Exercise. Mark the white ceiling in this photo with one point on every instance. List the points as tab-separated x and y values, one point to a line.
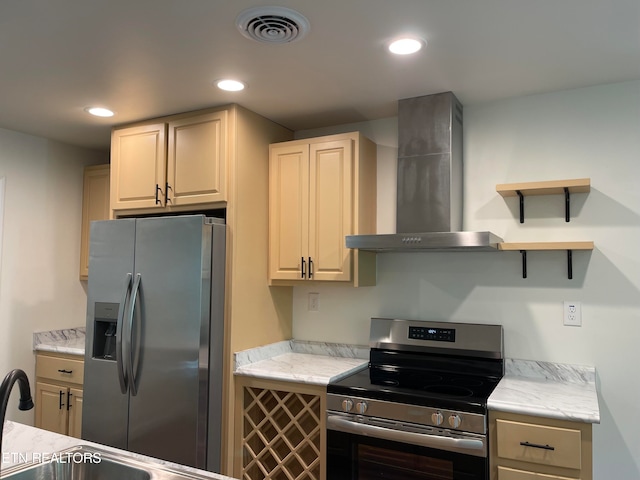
148	58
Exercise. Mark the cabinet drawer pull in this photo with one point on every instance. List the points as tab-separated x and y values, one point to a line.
535	445
69	394
62	370
60	404
310	268
302	272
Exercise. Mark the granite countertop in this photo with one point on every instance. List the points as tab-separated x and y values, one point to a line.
312	363
22	443
552	390
70	341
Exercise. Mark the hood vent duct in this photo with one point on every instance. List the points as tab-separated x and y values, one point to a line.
429	190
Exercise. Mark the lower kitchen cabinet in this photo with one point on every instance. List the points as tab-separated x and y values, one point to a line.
58	402
524	447
280	430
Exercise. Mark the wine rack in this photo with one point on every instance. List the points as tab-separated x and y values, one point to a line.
282	433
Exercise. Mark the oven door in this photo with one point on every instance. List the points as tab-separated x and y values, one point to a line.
363	448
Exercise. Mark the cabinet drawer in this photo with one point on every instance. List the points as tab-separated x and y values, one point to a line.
60	369
511	474
526	442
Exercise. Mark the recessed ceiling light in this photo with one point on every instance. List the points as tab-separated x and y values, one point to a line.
406	46
99	111
230	85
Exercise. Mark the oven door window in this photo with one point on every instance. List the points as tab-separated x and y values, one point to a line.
379	462
353	457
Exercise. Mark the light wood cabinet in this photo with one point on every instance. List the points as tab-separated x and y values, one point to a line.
321	190
239	184
58	402
536	448
138	166
170	164
95	206
197	160
281	430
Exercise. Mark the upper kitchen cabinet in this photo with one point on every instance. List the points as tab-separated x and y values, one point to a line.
138	166
172	163
197	160
321	190
95	206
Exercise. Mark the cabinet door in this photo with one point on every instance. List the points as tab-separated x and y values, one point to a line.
288	211
197	160
95	206
330	208
138	167
505	473
51	407
75	412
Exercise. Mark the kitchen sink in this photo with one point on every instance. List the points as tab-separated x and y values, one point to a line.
89	463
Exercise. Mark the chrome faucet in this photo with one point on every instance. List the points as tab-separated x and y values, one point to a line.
26	403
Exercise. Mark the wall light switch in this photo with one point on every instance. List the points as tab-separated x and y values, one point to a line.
313	302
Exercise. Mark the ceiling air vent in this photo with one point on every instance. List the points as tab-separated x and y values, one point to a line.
272	24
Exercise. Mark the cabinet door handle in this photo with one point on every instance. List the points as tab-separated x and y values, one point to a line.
167	187
62	370
158	189
69	394
536	445
302	272
310	268
60	404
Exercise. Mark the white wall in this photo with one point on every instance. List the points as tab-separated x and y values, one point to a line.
590	132
39	267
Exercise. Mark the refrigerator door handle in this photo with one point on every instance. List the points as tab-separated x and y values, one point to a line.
122	374
132	310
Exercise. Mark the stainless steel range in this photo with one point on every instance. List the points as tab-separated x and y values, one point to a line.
420	410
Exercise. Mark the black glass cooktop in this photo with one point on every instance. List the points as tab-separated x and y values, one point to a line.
438	382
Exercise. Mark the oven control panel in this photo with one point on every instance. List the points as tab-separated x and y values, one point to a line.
418	414
435	334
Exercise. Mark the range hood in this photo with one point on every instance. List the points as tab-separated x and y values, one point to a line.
429	192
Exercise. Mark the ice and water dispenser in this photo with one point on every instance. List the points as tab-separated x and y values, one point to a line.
104	331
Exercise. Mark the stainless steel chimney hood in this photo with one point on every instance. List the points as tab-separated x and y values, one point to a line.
429	191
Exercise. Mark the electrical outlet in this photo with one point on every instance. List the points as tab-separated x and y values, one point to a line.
572	314
313	302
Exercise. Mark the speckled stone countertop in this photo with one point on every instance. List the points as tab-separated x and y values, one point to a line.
22	443
70	341
313	363
544	389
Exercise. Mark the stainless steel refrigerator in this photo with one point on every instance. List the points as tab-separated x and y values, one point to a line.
153	361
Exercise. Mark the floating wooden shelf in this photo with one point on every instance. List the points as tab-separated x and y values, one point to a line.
553	187
523	247
511	246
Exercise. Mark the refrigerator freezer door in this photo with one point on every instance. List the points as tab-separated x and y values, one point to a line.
105	407
170	339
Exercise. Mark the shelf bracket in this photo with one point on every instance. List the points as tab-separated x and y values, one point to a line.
521	205
569	264
567	204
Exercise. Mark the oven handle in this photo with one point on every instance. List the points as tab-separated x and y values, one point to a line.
461	445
